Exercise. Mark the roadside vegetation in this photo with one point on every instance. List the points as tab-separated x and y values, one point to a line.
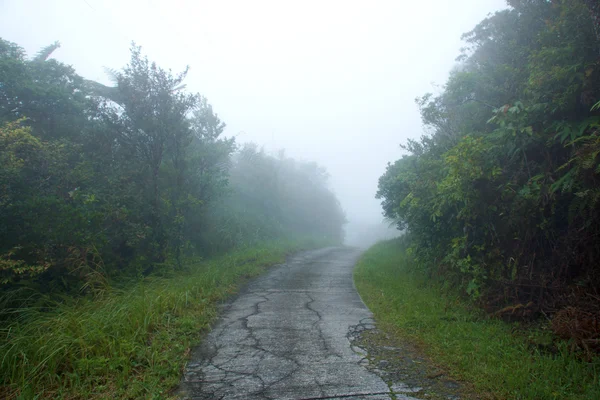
500	360
501	197
134	339
125	218
497	275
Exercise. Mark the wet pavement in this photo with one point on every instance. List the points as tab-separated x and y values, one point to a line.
297	332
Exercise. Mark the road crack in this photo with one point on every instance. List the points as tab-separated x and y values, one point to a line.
286	335
317	325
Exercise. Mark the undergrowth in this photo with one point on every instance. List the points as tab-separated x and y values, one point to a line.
500	360
131	342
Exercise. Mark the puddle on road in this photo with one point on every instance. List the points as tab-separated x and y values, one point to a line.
402	367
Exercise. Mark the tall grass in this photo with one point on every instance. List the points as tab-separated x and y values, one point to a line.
130	343
501	360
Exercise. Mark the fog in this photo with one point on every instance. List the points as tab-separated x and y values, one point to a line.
329	81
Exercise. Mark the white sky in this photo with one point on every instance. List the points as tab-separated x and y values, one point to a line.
331	81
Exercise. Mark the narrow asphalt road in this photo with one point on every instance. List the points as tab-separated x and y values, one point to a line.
289	336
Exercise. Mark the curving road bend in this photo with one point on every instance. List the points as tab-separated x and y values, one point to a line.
288	335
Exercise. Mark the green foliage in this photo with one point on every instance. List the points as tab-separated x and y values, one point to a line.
500	360
100	182
502	198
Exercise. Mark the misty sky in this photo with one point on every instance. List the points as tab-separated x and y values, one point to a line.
330	81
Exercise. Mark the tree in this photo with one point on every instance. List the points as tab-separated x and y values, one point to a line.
155	122
50	94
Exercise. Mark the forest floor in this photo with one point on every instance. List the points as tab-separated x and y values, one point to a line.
495	359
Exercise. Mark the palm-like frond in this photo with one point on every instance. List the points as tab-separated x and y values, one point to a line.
112	74
98	89
46	52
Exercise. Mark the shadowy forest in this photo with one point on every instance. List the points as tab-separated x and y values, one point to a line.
502	195
132	179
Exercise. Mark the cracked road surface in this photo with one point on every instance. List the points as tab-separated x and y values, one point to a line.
288	335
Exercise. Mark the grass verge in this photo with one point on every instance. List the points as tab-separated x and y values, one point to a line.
500	360
132	342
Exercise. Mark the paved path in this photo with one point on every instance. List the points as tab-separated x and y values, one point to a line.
288	336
